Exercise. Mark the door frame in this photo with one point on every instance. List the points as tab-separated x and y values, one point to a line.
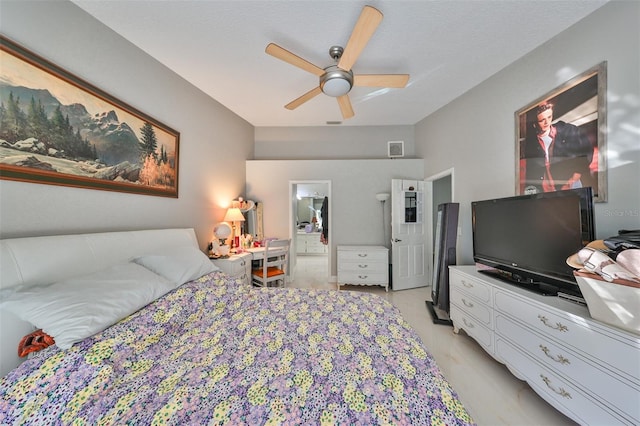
429	213
293	232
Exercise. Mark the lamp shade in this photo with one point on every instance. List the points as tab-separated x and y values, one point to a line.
234	215
382	196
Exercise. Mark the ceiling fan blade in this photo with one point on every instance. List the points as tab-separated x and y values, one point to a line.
367	24
345	106
295	60
381	80
304	98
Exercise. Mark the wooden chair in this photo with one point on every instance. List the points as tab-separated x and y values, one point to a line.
274	264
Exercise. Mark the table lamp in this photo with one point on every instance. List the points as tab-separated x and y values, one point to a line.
234	215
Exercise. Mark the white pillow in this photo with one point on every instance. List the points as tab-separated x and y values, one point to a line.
178	264
73	309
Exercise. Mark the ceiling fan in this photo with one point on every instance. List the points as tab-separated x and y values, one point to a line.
337	80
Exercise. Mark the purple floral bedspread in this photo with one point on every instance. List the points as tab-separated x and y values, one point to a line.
216	352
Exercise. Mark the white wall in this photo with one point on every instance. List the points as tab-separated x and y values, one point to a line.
475	134
355	213
340	142
214	142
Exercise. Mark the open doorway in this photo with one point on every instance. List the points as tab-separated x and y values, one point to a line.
310	233
438	189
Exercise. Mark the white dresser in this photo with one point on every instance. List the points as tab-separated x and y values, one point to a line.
237	266
363	265
588	370
309	243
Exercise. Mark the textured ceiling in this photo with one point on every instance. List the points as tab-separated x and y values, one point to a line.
447	47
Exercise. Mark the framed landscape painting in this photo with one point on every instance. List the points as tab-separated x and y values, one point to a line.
561	137
58	129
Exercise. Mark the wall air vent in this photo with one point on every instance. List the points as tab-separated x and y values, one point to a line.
396	149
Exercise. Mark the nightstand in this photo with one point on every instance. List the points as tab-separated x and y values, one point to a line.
237	266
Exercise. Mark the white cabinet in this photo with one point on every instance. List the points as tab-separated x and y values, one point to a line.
309	243
588	370
237	266
363	265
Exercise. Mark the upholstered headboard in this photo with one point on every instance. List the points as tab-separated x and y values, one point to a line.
42	260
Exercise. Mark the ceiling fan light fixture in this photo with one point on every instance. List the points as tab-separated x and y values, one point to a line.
336	82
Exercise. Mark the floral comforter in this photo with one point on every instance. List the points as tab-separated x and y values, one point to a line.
216	352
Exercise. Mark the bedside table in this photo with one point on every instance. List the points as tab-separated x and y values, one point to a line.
237	266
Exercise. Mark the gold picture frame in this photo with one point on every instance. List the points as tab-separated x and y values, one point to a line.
58	129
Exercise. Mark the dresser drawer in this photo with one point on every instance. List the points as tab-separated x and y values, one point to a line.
363	255
347	277
237	266
556	390
473	307
569	364
476	288
472	327
579	334
363	267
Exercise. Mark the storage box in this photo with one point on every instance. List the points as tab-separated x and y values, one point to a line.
614	303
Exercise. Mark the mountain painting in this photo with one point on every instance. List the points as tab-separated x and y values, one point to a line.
60	130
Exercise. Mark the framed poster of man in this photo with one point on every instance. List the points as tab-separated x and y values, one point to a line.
560	138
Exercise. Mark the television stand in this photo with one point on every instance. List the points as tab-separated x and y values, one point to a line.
586	369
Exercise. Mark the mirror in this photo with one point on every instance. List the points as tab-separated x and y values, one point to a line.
308	209
412	206
253	222
308	205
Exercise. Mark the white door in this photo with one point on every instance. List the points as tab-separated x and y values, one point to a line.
408	236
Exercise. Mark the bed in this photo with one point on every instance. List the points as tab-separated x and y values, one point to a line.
204	349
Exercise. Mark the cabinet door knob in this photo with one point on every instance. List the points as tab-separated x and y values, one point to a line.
558	358
468	324
547	381
559	326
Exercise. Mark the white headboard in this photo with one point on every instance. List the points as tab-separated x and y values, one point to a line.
42	260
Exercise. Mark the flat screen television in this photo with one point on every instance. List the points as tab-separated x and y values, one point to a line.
526	239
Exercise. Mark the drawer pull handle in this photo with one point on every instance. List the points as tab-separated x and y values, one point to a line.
467	304
563	393
558	358
558	325
466	284
468	324
363	277
363	266
362	254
